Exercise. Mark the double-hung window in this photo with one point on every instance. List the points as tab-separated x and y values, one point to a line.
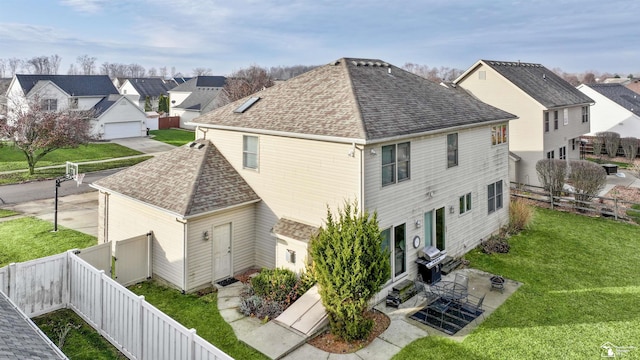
396	163
394	241
562	154
555	120
585	114
465	203
551	154
499	134
494	195
50	104
452	150
250	152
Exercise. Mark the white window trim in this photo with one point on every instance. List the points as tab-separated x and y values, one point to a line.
257	152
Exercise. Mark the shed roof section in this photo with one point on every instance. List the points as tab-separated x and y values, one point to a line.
294	230
619	94
190	180
74	85
357	99
540	83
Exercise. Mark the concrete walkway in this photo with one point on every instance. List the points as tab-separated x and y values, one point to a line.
627	179
279	342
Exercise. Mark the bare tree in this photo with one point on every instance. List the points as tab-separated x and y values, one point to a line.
73	70
434	74
54	63
245	82
163	72
598	143
39	65
87	64
136	71
587	178
3	67
173	71
552	174
152	72
104	68
589	78
611	142
14	64
630	148
200	71
36	131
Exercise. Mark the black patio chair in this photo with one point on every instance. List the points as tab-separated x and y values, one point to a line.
420	289
472	306
440	306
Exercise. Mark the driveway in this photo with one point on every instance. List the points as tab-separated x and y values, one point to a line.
144	144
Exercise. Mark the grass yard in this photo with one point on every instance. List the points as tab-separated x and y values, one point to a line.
13	159
30	238
81	342
173	136
200	313
580	289
7	213
43	174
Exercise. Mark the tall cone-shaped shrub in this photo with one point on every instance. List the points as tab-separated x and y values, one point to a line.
351	268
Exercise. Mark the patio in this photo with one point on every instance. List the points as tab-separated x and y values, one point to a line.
456	324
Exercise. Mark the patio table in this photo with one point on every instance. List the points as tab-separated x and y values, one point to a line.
448	290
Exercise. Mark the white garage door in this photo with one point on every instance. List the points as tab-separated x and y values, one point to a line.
122	130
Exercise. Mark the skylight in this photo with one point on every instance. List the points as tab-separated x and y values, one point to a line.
247	104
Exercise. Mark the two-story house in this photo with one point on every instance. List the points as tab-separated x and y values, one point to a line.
195	97
115	116
617	109
258	181
141	89
552	113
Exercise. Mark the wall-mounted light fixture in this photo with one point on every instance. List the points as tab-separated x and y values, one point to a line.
418	223
205	235
373	152
451	210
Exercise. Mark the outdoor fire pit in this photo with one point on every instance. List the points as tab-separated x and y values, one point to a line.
497	283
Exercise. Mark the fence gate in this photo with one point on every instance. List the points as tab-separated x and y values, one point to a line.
133	259
99	256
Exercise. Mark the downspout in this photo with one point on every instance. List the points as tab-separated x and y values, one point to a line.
184	257
105	230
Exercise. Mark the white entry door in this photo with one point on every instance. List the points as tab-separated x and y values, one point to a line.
221	251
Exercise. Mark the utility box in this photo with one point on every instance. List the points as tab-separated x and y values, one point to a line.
291	256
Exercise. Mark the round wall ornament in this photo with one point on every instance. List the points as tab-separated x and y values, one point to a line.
416	241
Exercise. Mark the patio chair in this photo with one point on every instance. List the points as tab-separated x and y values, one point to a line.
472	306
440	306
460	286
420	289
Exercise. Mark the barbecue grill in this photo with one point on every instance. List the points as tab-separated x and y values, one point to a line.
429	268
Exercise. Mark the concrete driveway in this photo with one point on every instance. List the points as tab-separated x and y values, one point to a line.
144	144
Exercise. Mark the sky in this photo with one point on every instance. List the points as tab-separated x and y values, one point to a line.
573	35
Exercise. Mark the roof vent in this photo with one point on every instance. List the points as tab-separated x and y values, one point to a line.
191	144
246	105
200	146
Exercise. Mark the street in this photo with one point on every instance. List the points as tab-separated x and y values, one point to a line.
39	190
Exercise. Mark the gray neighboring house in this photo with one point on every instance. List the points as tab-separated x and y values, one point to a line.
138	89
195	97
617	109
20	338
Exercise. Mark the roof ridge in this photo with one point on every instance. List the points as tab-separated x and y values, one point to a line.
356	103
196	183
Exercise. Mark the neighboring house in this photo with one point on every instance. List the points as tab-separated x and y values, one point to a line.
139	89
195	97
4	85
552	113
634	85
257	184
617	109
82	92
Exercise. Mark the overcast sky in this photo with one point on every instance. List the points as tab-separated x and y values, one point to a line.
574	35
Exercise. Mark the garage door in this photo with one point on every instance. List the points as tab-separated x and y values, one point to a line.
122	130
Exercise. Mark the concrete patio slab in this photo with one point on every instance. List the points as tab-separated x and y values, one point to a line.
273	340
402	333
378	349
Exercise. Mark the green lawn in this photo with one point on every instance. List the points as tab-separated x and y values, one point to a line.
200	313
30	238
7	213
173	136
13	159
580	289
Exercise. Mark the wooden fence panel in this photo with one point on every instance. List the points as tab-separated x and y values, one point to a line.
85	290
163	337
40	286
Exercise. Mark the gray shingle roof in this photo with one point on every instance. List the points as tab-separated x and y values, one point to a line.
188	181
151	87
74	85
619	94
356	99
540	83
199	99
201	82
20	338
294	230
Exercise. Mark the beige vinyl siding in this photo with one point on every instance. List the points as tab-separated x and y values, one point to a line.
480	164
296	178
128	218
200	252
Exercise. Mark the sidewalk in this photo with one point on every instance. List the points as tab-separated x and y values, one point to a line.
278	342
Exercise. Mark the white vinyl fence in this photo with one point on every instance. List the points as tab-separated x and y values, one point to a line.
135	327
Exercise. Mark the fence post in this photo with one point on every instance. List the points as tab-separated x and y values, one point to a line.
615	207
100	300
551	196
192	344
141	329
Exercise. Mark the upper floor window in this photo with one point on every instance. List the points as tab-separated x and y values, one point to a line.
250	152
452	150
50	104
546	122
499	134
73	103
565	115
494	194
395	163
555	120
465	203
585	114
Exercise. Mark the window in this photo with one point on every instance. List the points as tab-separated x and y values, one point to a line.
465	203
395	163
562	154
573	144
494	192
585	114
50	104
565	114
555	120
452	150
546	122
551	154
250	152
73	103
499	134
394	241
